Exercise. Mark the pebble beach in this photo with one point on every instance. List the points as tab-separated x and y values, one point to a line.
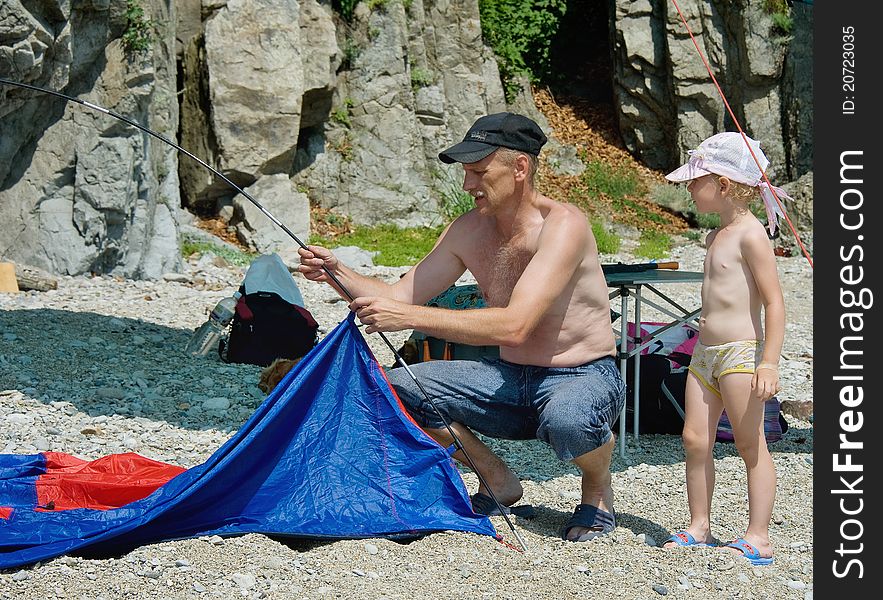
97	367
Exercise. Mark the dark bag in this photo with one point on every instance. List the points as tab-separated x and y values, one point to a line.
657	413
266	327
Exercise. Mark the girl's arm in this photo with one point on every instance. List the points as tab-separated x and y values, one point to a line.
761	261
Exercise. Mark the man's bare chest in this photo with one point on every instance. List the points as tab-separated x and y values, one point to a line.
498	267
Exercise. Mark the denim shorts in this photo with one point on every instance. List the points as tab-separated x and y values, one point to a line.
570	408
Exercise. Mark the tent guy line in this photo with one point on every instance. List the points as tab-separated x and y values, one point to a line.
457	442
741	132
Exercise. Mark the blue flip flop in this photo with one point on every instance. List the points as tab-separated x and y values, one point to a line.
750	552
685	538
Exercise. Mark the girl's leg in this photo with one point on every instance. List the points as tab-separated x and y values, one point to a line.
745	412
703	410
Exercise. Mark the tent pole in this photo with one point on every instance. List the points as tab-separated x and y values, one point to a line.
399	359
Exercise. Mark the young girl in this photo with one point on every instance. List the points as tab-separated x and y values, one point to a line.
735	361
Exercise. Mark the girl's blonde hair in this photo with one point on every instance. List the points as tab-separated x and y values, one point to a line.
742	191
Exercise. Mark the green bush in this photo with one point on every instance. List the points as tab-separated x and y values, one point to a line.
707	220
599	179
345	8
653	245
139	33
420	77
783	23
608	242
351	52
190	246
672	196
780	13
520	33
395	246
453	201
342	114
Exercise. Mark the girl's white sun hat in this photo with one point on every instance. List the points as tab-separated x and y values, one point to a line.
728	155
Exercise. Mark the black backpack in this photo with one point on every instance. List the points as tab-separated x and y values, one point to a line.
266	327
657	413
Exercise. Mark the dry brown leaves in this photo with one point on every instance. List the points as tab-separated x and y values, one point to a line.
220	229
592	130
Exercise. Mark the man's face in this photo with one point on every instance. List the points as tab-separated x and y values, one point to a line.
490	181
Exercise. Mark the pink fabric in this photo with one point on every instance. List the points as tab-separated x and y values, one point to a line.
680	339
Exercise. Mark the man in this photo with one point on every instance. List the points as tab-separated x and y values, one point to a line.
536	262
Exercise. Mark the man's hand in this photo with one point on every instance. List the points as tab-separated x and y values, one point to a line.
312	261
382	314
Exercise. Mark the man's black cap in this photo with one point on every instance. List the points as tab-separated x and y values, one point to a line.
506	130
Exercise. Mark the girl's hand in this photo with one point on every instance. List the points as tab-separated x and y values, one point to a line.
765	383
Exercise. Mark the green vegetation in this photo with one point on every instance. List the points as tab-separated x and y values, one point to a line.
780	13
345	8
520	33
783	23
707	220
608	242
344	146
653	245
377	5
395	246
190	246
342	114
673	196
599	179
420	77
351	51
139	33
453	201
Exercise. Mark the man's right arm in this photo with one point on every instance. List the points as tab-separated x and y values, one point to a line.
317	262
431	276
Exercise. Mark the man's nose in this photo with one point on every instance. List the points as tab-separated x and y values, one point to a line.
468	182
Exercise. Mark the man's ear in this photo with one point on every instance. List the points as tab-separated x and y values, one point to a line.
521	167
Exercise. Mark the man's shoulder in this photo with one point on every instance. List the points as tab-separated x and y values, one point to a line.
469	223
565	211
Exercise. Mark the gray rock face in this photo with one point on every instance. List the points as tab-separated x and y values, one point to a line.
79	190
294	104
668	101
414	84
243	95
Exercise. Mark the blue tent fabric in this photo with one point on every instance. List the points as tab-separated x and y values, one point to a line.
330	453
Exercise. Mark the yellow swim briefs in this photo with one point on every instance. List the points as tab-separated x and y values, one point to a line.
710	363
